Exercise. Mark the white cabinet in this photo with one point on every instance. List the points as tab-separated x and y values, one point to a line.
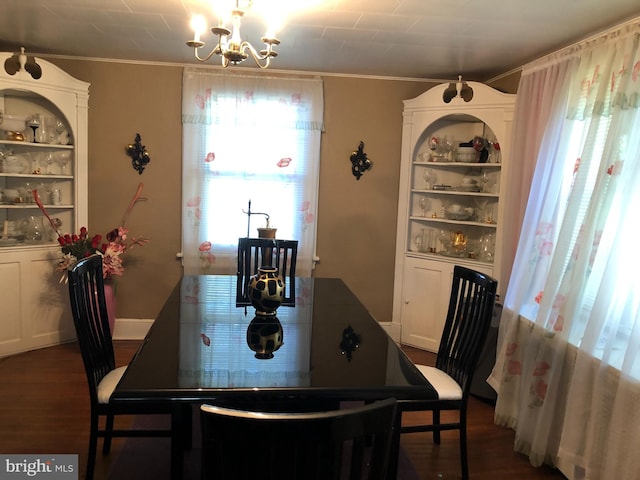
450	209
51	158
425	299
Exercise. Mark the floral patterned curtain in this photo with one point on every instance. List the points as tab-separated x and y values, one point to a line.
568	365
248	139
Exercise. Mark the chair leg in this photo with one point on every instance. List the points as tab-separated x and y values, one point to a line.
178	439
108	429
186	426
436	422
93	446
394	452
464	463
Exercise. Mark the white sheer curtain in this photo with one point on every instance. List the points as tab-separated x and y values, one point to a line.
248	138
536	105
568	365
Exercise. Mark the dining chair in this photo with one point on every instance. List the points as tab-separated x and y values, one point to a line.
254	253
468	320
351	443
86	292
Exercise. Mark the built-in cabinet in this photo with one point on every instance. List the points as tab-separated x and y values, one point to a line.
43	147
455	151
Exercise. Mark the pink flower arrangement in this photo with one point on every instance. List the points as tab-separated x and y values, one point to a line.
77	246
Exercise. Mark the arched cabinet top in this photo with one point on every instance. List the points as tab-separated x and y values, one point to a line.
53	79
483	97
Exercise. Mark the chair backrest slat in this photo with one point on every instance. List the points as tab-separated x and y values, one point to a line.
86	293
254	253
468	320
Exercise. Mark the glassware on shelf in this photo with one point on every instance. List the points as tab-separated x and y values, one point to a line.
27	192
443	148
449	148
481	204
32	227
455	243
495	155
424	204
430	178
425	241
63	158
417	241
46	159
34	123
487	247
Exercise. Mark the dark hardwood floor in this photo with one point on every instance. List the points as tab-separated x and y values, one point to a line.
44	408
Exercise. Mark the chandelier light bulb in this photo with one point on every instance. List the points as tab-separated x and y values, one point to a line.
198	25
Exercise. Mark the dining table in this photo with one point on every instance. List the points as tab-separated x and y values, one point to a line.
323	349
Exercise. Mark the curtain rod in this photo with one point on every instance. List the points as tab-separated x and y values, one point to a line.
623	28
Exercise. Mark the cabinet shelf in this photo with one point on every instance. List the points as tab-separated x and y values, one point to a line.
440	256
27	206
22	245
456	193
40	146
454	222
458	164
47	176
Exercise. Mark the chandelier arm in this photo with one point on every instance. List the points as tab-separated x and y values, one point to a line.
257	57
216	51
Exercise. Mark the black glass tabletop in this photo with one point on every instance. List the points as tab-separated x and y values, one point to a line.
326	346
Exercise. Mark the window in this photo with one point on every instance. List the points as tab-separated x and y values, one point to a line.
248	139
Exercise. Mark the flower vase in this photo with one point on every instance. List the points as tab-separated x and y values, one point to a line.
110	301
266	290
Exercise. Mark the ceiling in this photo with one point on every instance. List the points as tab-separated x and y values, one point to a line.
430	39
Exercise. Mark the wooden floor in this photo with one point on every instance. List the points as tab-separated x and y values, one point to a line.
44	408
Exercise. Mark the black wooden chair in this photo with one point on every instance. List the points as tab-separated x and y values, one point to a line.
468	320
254	253
350	443
86	292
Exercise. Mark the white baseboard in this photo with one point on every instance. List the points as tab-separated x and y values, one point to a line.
393	329
131	328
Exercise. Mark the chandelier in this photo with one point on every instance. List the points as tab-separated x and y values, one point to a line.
231	48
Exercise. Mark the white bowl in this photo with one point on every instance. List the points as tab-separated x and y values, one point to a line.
14	164
467	155
12	123
10	195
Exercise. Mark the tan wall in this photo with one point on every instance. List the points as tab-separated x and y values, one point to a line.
356	218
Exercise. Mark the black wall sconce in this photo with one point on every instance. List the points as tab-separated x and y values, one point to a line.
139	155
359	162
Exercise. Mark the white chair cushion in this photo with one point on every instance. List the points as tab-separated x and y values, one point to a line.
447	387
108	384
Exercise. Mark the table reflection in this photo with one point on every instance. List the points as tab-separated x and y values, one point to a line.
225	346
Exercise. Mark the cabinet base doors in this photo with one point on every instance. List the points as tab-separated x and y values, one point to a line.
425	285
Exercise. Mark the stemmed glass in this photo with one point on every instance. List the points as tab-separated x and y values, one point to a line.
429	178
62	159
34	123
484	182
449	147
423	202
417	240
481	203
